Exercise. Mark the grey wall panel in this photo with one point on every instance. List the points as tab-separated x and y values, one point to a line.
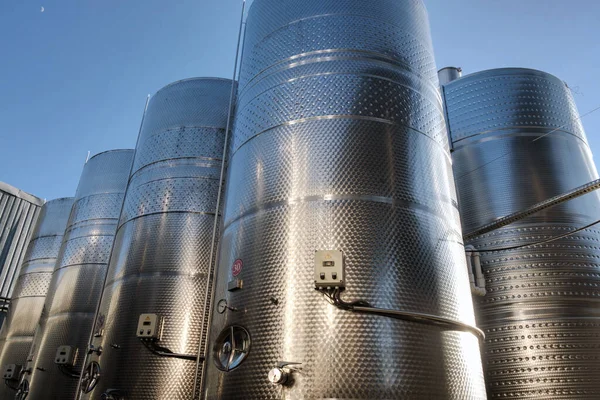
160	261
339	143
517	141
19	212
30	291
79	274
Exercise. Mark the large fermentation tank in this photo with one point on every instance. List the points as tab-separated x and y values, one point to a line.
19	212
77	280
160	263
518	140
340	143
32	284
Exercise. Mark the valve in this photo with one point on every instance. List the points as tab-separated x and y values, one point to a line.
22	390
92	349
91	376
281	374
277	376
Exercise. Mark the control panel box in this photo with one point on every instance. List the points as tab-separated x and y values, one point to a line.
329	269
66	355
150	326
12	372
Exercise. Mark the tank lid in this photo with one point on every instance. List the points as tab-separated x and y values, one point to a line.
511	71
449	74
110	151
198	79
61	199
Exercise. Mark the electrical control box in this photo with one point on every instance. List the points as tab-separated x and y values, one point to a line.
12	372
329	269
150	326
66	355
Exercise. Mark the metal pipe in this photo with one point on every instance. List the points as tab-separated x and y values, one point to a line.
551	202
423	318
476	277
479	277
470	270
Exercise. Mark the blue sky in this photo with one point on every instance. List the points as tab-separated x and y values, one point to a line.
74	78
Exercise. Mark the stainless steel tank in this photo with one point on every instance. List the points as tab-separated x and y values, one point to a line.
19	212
518	140
30	291
160	262
77	280
340	144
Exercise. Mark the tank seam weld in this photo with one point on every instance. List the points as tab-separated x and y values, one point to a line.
342	116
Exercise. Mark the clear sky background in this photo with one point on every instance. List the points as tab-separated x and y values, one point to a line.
74	78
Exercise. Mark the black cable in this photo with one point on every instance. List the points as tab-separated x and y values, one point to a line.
7	383
362	306
68	372
164	352
552	239
347	306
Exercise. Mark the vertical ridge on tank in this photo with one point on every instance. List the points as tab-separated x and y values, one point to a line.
161	254
19	212
518	141
30	291
339	143
77	278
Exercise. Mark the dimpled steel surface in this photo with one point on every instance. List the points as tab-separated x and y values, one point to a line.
32	285
80	269
160	262
541	313
339	143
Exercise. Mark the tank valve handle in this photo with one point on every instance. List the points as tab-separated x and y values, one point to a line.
280	375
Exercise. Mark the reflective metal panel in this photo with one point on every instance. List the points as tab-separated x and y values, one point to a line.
80	270
30	291
19	212
160	262
340	144
517	141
